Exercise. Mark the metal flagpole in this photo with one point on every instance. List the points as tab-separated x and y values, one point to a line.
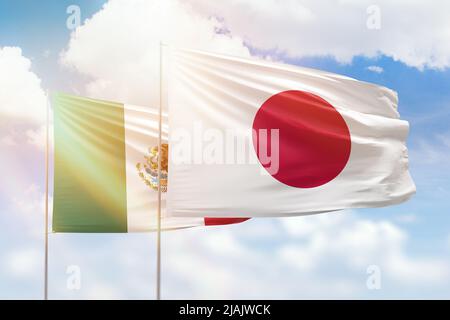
158	236
46	199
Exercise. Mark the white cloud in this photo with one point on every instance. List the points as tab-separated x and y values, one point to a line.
326	259
22	263
21	95
23	101
8	140
376	69
22	116
29	201
118	48
322	256
38	136
360	243
339	28
21	219
430	271
28	210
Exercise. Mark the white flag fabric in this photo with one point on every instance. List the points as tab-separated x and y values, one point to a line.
252	138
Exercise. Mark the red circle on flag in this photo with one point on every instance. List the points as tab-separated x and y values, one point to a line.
313	139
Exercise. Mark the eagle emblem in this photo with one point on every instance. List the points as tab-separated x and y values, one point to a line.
148	170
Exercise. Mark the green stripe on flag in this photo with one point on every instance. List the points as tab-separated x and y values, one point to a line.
90	166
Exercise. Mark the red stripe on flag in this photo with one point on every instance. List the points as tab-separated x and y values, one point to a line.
223	221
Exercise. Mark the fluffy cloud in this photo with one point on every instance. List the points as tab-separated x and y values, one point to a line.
21	236
323	256
340	28
21	95
23	263
22	124
37	137
22	116
376	69
23	101
29	207
118	48
359	243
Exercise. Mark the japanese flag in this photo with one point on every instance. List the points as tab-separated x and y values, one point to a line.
251	138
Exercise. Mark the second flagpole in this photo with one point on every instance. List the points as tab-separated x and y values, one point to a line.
158	236
47	142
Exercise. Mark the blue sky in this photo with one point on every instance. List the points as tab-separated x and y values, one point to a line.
38	27
122	266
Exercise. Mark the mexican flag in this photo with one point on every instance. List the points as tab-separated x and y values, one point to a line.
105	178
254	138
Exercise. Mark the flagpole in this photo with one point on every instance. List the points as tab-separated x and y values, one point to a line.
46	199
158	236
